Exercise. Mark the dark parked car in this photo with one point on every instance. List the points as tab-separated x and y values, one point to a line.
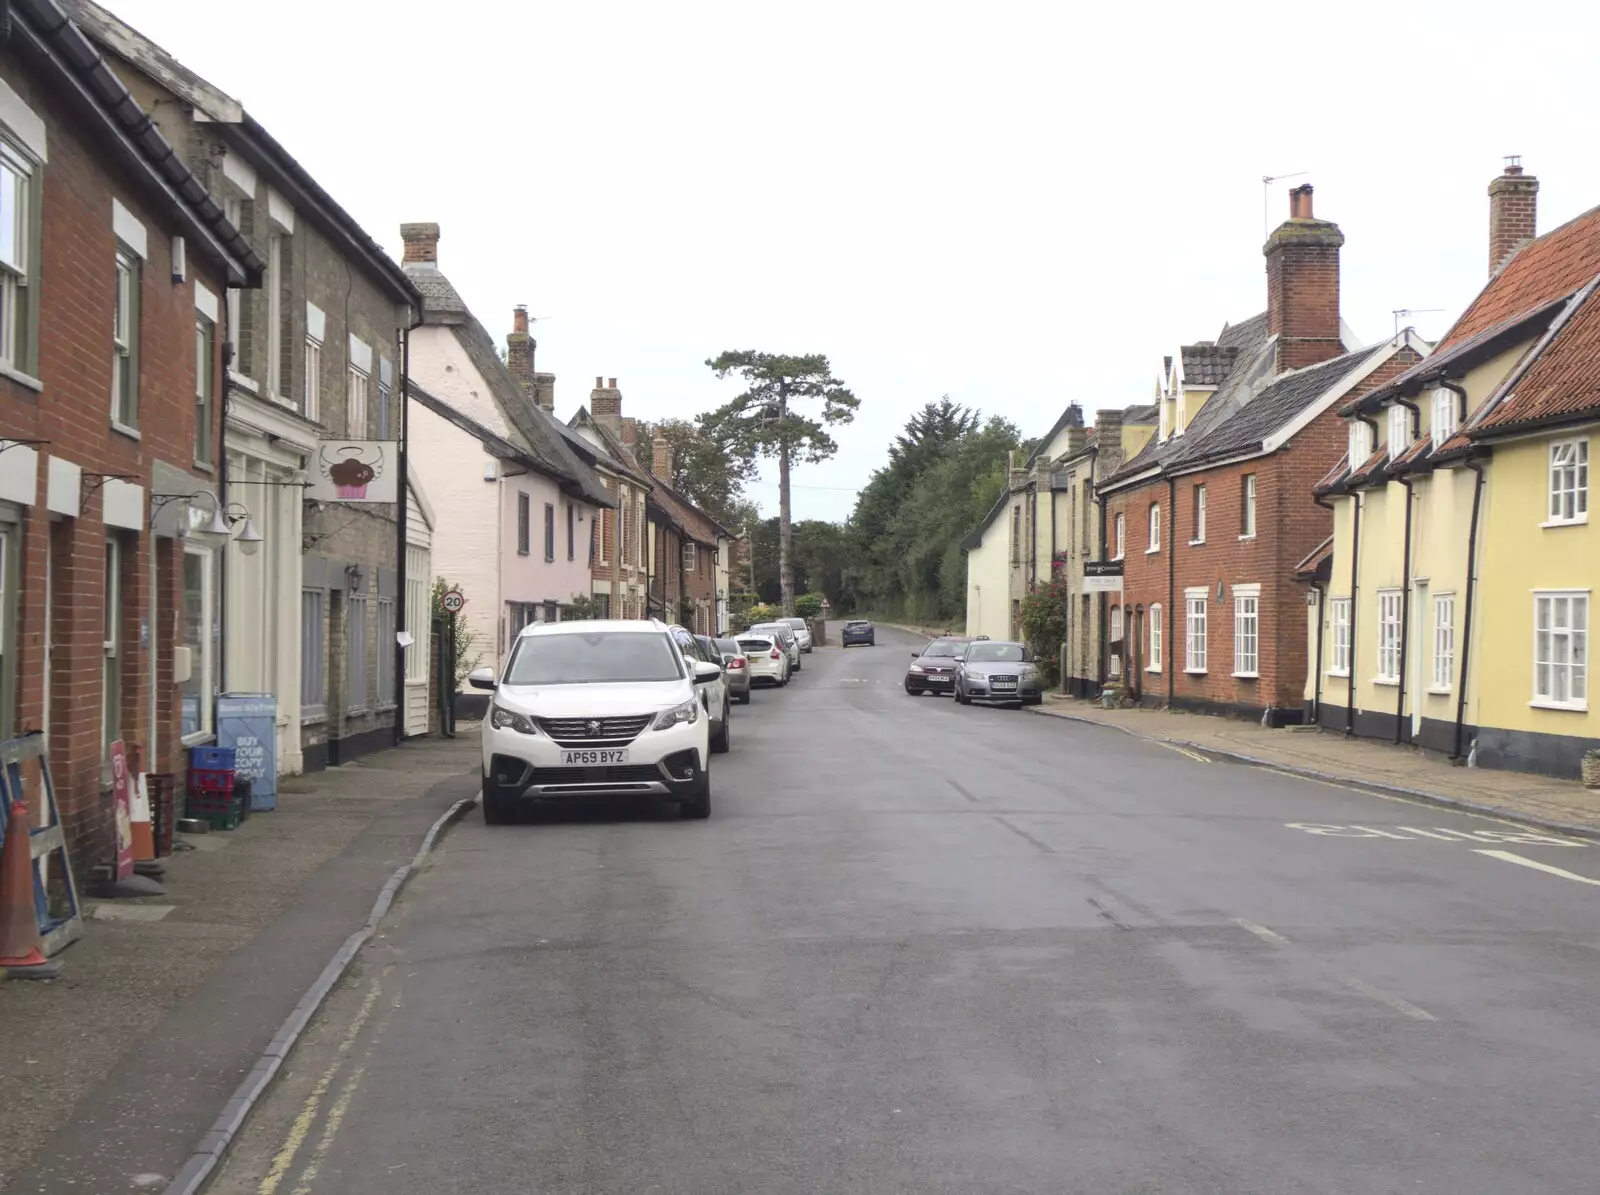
997	672
933	669
857	630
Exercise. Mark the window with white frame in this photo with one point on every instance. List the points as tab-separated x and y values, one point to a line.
639	531
626	513
313	653
1155	639
1194	631
1199	514
385	412
1247	507
1388	636
1360	443
416	612
1119	537
1155	528
524	523
691	559
199	613
1115	637
1569	481
205	356
125	341
1445	409
1444	640
18	216
1247	630
355	653
355	412
313	391
386	650
1561	649
274	288
111	649
1399	430
549	531
1339	634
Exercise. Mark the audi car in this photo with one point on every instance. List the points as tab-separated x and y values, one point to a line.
605	708
995	672
933	669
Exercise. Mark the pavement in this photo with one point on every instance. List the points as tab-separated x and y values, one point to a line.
118	1068
927	949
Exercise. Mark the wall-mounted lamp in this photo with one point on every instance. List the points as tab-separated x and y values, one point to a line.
219	528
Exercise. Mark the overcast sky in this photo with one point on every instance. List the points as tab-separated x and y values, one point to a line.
1018	205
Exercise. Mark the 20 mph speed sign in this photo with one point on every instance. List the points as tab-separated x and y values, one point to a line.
453	601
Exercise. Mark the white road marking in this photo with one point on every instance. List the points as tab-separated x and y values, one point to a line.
1438	833
1360	986
1508	857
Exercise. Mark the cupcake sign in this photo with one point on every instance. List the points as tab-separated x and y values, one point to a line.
355	471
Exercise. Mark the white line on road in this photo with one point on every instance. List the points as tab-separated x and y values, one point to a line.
1360	986
1520	861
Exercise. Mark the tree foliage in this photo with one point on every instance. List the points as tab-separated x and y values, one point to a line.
944	473
1044	623
468	654
708	472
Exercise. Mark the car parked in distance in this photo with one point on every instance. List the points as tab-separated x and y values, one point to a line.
801	632
998	672
764	656
933	669
736	668
784	634
602	708
715	696
857	630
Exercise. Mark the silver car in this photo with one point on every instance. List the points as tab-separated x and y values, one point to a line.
995	672
784	634
801	632
735	666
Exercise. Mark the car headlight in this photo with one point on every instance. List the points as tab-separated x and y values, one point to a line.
688	712
918	668
1030	671
503	719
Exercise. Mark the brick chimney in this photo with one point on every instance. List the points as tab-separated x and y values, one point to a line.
1513	211
661	458
544	391
605	404
630	430
1303	285
519	350
421	244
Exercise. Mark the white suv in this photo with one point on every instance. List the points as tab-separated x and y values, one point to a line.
596	709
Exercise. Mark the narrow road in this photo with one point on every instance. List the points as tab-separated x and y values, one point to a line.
926	949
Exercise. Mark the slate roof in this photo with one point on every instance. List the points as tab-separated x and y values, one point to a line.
683	513
1207	364
1562	384
1245	335
535	430
618	455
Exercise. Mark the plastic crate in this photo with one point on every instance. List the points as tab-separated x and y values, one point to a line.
220	809
211	780
223	759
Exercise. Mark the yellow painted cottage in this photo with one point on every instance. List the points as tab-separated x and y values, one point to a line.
1451	608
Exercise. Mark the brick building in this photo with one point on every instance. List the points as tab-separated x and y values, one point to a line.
620	571
1213	516
112	320
686	548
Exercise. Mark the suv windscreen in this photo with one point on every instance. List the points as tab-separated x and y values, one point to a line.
595	657
945	650
996	653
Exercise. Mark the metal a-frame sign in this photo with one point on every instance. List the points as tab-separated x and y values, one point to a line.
24	765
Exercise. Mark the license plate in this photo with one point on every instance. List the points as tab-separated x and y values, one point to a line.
1005	687
938	680
594	757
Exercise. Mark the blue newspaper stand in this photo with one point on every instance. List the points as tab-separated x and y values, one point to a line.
248	722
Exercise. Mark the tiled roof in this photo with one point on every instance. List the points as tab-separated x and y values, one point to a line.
1564	381
618	455
439	298
698	526
1550	267
1207	364
1371	467
1141	413
1333	477
1315	557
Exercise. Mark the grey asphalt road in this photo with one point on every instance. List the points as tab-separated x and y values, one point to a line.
926	949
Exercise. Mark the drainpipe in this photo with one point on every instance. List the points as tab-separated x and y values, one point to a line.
222	505
1466	617
402	514
1355	605
1405	616
1033	532
1101	670
1172	577
1322	621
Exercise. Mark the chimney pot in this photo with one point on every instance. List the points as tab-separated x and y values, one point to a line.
599	383
519	318
612	383
1300	202
421	243
1513	213
605	404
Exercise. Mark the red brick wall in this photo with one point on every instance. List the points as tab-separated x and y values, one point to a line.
76	296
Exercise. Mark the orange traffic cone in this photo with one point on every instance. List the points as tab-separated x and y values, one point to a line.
21	948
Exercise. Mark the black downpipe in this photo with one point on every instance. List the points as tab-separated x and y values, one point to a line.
1322	622
1355	605
1172	580
222	505
1466	617
402	514
1033	533
1405	617
1103	613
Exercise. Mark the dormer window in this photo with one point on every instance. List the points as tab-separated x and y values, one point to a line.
1399	430
1444	415
1360	443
